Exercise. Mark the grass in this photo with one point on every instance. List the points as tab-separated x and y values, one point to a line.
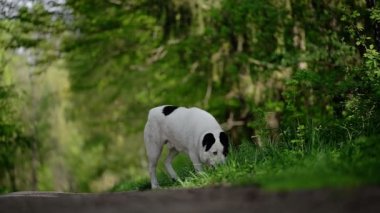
281	166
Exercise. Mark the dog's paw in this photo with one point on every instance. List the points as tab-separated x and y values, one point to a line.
176	179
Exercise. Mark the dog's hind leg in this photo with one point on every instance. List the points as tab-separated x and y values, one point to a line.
153	159
154	153
153	149
168	163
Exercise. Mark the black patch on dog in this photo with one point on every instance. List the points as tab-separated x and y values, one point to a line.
168	109
208	141
224	140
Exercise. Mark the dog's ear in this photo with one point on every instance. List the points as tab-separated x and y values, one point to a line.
224	140
208	141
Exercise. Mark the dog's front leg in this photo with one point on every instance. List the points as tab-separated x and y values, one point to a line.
196	162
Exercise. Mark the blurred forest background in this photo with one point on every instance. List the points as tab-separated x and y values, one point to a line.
77	78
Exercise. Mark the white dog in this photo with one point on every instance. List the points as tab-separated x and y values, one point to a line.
190	130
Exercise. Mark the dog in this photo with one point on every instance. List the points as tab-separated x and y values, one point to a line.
189	130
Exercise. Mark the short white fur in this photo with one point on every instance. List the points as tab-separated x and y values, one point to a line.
182	131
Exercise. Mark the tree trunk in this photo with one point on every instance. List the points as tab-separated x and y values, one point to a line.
34	165
12	179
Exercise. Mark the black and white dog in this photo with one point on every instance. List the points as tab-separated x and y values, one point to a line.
190	130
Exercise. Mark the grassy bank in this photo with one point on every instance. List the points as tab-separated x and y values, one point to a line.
282	166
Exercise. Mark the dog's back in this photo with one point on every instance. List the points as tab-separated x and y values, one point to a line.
168	123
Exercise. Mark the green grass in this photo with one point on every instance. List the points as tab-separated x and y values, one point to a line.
281	166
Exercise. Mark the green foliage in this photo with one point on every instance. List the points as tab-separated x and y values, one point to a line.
278	167
302	76
13	142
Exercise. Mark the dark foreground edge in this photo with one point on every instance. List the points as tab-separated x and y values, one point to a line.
220	199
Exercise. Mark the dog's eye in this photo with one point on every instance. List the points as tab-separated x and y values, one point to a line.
215	153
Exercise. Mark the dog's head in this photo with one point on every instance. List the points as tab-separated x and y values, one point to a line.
214	148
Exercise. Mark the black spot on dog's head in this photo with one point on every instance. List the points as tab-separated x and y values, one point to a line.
168	109
208	141
224	140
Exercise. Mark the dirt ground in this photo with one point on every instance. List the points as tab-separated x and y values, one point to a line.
219	199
